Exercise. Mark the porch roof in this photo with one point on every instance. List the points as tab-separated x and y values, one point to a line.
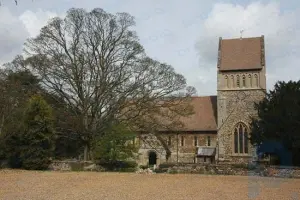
206	151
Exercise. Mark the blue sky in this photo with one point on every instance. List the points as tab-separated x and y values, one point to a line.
181	33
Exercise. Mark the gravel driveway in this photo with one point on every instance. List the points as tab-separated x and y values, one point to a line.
33	185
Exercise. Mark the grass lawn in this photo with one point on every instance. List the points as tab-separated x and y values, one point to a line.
33	185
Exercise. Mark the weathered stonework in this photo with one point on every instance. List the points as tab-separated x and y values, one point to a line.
231	111
237	93
235	169
183	154
241	82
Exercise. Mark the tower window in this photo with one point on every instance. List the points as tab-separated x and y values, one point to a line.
241	139
238	81
244	81
250	80
232	81
227	81
256	80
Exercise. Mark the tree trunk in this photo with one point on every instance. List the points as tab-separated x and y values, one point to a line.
86	142
2	124
86	152
177	140
165	145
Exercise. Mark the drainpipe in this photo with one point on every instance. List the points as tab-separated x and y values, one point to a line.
217	150
177	149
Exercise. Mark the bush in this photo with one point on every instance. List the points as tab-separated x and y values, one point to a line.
117	165
12	147
143	167
252	166
166	165
127	170
76	166
130	164
116	144
159	170
38	137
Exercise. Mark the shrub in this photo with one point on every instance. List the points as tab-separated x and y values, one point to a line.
127	170
117	165
252	166
116	144
143	167
76	166
160	170
166	165
38	137
173	171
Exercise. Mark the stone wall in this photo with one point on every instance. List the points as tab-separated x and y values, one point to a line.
235	169
235	107
184	154
73	165
237	91
214	169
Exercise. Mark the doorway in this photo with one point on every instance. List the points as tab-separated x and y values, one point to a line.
152	158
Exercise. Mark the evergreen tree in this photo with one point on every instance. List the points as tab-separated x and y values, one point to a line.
279	118
116	145
38	135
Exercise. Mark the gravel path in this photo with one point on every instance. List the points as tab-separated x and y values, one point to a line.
32	185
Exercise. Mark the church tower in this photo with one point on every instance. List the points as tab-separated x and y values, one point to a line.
241	81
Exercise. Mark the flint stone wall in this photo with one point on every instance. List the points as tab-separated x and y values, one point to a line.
74	165
231	169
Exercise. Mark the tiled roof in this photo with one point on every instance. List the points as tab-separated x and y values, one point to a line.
205	115
203	118
241	53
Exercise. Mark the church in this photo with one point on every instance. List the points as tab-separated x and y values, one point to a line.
218	131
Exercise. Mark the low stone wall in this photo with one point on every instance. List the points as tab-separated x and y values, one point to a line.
241	170
74	165
221	169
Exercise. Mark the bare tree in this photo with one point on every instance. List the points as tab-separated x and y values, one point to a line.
94	61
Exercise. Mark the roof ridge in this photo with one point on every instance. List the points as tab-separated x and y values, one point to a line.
242	38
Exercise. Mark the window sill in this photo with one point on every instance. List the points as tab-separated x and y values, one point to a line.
241	155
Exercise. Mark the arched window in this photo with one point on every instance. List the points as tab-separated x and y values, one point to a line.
244	81
256	80
232	81
227	81
238	81
241	139
250	80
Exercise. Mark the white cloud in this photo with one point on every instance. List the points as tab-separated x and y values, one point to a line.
34	21
169	30
14	30
279	28
12	35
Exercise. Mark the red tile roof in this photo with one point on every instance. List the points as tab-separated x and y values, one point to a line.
205	115
241	53
203	118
